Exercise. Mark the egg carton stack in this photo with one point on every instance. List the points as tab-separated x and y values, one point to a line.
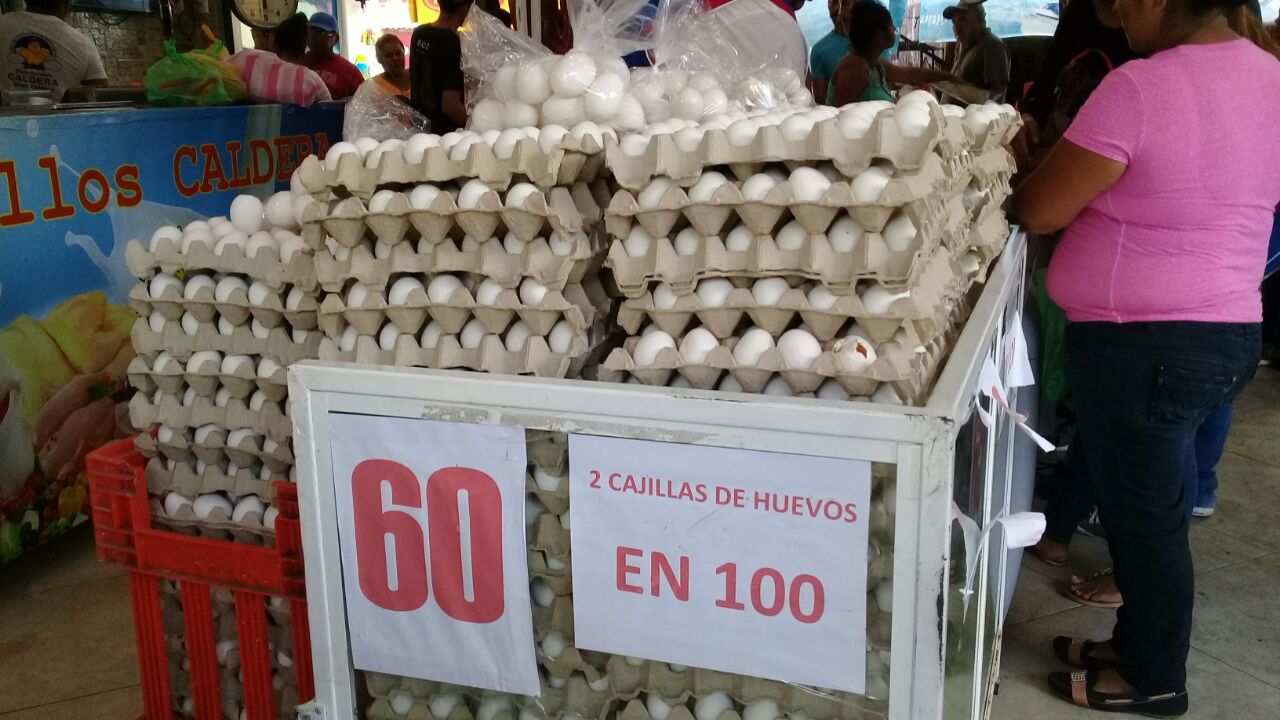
579	684
825	252
284	680
225	307
463	272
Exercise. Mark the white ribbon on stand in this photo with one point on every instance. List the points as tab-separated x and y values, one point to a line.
1020	530
1018	368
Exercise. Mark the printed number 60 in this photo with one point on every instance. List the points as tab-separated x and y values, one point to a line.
376	525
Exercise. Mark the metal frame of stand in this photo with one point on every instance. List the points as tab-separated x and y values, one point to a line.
943	663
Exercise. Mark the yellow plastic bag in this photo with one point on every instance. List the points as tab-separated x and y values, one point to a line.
198	77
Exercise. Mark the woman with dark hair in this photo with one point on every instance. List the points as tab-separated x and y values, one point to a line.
862	75
395	73
1166	183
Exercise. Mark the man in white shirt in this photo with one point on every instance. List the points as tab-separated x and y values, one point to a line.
40	51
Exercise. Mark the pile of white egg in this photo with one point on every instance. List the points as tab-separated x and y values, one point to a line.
248	511
501	142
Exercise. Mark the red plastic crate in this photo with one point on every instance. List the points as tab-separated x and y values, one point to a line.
121	513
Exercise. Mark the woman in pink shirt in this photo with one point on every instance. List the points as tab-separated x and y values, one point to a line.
1166	184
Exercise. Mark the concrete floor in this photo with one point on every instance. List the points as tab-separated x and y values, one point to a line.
67	651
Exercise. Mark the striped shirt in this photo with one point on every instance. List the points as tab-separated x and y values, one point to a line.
274	80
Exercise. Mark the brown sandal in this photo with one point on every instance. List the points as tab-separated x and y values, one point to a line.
1078	597
1077	687
1078	653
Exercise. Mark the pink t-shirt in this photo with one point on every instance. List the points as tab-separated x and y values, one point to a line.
1182	236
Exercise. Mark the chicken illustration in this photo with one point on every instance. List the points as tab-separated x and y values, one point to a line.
34	54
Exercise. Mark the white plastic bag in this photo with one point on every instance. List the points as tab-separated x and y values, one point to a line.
373	112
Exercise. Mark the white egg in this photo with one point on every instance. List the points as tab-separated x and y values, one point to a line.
751	346
260	241
739	239
688	104
290	246
532	292
647	348
336	151
586	129
854	354
799	349
417	145
237	364
167	232
166	364
742	132
634	145
387	336
472	334
553	645
602	98
899	234
267	368
657	707
247	214
912	119
560	339
630	115
711	706
260	294
203	433
228	286
487	115
664	298
777	386
422	196
380	200
791	236
365	145
706	186
163	281
394	146
488	291
401	702
878	300
401	290
687	241
519	114
209	503
869	184
235	239
564	111
638	242
247	505
347	341
156	321
762	710
830	389
225	326
442	706
757	187
564	246
513	245
175	503
769	290
808	185
697	344
796	128
517	335
653	192
357	295
844	234
491	707
821	298
713	292
689	139
550	137
884	595
572	74
460	150
504	81
854	125
442	288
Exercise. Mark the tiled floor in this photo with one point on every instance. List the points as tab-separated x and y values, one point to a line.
67	652
1234	670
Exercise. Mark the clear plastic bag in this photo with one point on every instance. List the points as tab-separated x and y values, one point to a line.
374	112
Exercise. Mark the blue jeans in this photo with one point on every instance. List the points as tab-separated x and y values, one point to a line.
1202	456
1141	392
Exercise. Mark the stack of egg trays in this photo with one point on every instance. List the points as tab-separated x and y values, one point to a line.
375	249
183	387
599	686
573	160
226	635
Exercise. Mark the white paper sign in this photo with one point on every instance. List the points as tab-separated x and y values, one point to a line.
741	561
431	526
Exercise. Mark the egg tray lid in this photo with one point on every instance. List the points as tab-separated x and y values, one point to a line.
278	345
146	410
815	260
893	363
184	480
882	141
235	308
265	265
576	159
576	304
536	260
564	210
674	210
491	356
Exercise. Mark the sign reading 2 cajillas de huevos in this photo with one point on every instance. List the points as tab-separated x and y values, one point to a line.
734	560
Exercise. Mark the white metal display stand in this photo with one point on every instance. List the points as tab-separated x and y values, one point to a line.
944	660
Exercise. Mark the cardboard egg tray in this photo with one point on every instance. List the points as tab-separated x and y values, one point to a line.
278	345
893	363
998	134
265	265
716	216
491	356
183	479
560	210
548	451
883	141
491	261
923	314
576	304
206	378
575	160
237	309
214	450
146	410
814	260
218	525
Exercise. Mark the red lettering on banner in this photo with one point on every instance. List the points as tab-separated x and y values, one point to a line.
445	488
93	175
661	568
284	156
185	152
16	215
261	172
212	169
375	525
58	209
625	569
128	187
240	174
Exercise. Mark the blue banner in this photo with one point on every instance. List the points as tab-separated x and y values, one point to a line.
74	190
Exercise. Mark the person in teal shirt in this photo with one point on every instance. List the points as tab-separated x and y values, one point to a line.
829	51
863	75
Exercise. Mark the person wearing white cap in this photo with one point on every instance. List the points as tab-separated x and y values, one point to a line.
983	60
